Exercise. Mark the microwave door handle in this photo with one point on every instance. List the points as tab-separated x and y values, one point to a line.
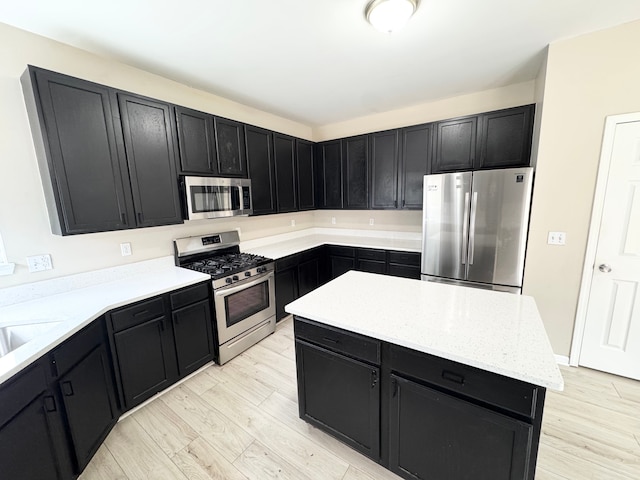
228	291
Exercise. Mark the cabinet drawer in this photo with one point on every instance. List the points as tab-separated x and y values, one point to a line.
503	392
342	251
287	262
351	344
136	314
369	254
189	295
405	258
73	350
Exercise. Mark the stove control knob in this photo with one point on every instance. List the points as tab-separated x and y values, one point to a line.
261	269
227	280
247	274
235	278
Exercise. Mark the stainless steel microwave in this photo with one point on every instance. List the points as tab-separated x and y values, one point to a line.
211	197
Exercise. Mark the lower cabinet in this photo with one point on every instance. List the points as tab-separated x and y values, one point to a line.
157	341
286	288
33	445
435	435
341	395
420	416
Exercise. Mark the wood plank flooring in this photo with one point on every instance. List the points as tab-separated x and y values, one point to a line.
240	421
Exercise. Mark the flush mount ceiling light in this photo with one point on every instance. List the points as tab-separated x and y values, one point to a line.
390	15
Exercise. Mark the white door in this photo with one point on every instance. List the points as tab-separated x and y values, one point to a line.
611	340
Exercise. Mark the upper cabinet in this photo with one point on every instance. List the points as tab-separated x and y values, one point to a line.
505	138
84	173
416	159
384	169
356	172
305	166
285	162
455	144
210	145
261	169
107	158
148	131
330	174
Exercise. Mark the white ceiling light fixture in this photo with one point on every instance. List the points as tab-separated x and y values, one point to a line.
390	15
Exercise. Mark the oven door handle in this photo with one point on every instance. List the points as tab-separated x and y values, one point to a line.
223	292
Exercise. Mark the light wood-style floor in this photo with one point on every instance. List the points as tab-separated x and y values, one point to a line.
240	421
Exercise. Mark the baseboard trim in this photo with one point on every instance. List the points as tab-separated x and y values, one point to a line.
562	360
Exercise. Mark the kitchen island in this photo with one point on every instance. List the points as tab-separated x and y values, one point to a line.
430	380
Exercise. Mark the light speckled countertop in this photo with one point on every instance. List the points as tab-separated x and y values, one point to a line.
279	246
77	300
498	332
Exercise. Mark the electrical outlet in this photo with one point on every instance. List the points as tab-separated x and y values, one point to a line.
125	249
293	223
371	221
38	263
333	220
557	238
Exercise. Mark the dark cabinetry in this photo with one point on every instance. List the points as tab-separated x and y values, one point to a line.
370	260
384	169
506	138
297	275
148	131
107	158
418	415
153	346
341	259
455	147
338	385
230	148
416	160
306	174
286	182
356	172
261	169
33	445
404	264
391	262
329	155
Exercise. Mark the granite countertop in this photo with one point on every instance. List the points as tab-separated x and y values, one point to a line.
494	331
75	301
279	246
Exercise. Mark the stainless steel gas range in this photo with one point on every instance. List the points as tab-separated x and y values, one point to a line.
243	289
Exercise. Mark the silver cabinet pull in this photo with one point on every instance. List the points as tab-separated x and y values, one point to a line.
604	268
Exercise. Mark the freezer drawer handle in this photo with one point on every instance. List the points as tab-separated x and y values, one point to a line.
465	229
472	227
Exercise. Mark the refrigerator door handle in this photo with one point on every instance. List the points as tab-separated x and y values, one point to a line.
472	227
465	229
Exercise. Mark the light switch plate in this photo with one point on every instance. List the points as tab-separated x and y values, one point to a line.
557	238
125	249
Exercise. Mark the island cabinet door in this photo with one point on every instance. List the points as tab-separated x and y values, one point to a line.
341	396
437	436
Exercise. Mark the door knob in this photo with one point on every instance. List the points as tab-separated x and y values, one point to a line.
604	268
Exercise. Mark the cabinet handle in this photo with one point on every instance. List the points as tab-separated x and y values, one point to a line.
141	312
403	203
453	377
67	389
163	323
54	368
49	403
374	378
140	217
331	340
394	384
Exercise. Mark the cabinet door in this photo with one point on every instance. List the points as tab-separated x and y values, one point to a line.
305	167
90	404
340	265
384	169
195	142
308	275
147	126
341	395
230	148
261	169
145	360
32	446
404	264
84	173
192	329
505	139
286	289
435	435
356	172
284	156
455	145
416	158
330	174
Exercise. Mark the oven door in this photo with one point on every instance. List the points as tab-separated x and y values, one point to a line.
244	305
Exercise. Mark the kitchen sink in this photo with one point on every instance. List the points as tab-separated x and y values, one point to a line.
16	335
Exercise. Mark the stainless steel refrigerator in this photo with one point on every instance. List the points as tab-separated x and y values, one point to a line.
474	228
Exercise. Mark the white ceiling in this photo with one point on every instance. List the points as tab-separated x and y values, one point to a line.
319	62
